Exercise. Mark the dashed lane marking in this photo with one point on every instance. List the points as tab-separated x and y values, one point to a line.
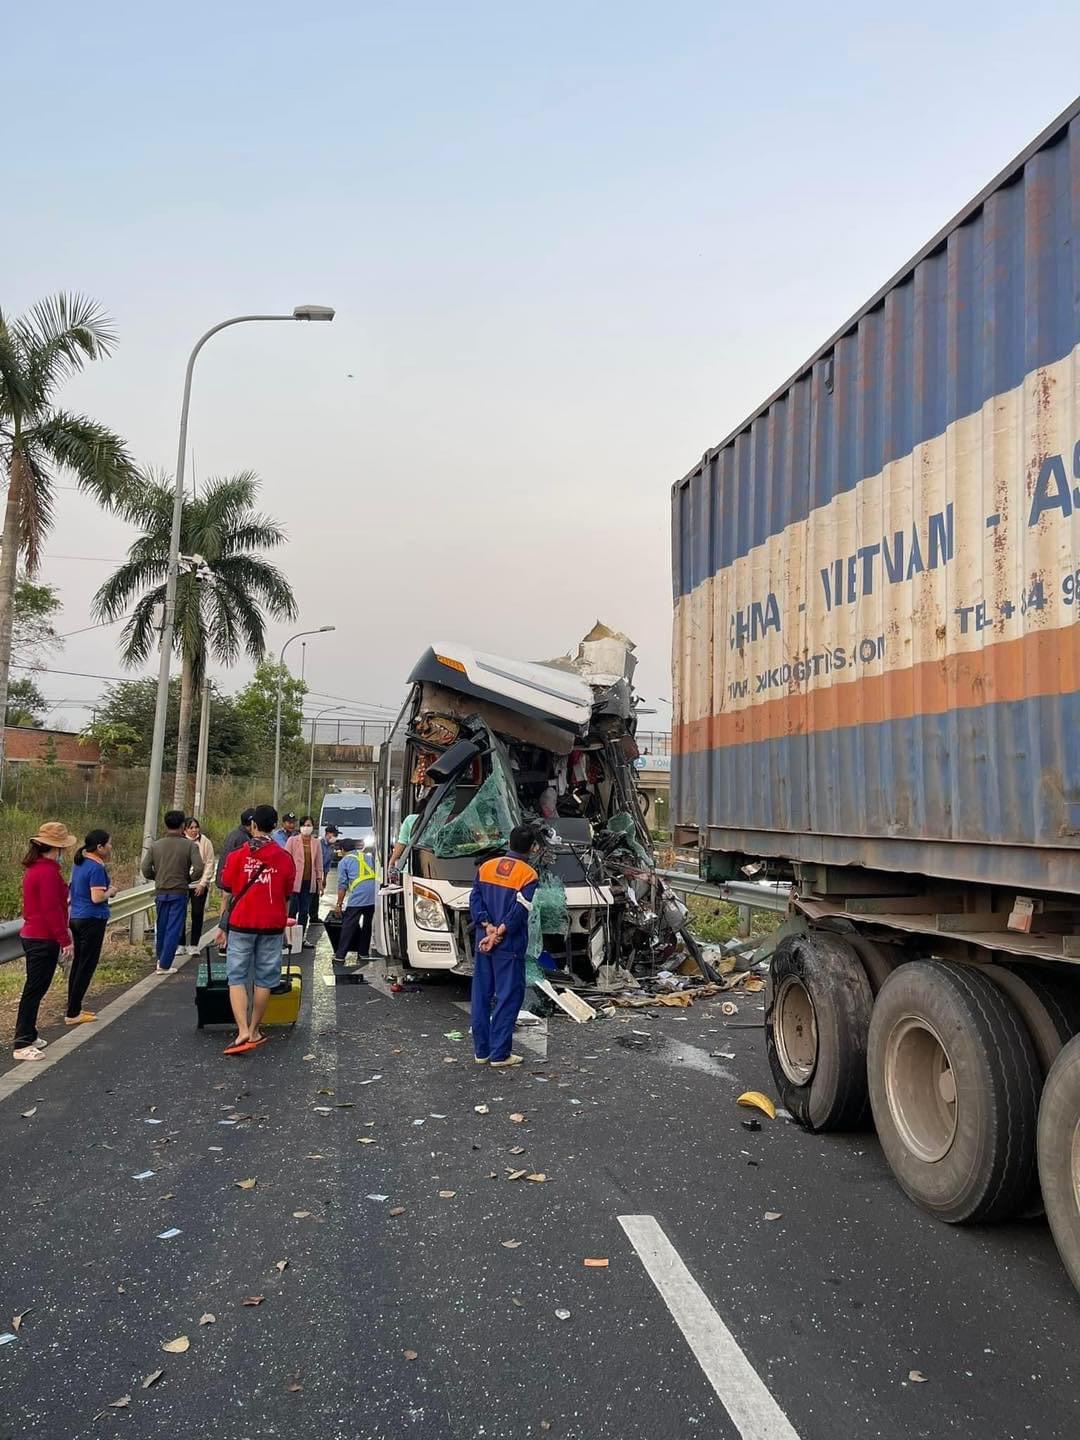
740	1389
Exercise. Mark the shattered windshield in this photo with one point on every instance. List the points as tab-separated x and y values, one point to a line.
485	821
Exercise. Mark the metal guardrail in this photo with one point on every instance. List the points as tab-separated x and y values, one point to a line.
752	894
130	905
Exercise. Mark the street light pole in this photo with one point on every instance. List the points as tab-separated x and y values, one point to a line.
202	754
311	767
157	747
322	630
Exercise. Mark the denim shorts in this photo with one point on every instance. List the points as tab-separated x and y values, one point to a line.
254	956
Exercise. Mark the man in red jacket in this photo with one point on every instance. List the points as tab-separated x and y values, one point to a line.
259	877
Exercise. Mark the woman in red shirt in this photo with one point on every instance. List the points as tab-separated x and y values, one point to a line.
45	930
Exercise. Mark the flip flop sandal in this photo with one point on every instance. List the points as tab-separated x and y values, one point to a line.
254	1044
241	1047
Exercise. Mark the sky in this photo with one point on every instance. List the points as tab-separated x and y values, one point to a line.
570	247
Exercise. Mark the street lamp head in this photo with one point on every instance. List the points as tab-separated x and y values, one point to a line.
313	312
324	629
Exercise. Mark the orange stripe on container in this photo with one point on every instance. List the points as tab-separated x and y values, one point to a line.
1045	662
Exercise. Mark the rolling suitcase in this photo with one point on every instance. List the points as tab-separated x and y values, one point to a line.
212	993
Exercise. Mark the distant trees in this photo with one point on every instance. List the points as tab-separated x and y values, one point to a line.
241	726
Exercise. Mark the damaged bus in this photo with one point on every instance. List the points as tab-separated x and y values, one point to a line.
484	743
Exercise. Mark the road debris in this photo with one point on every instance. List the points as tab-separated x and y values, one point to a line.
774	1214
170	1234
596	1264
253	1300
511	1244
208	1319
410	1354
151	1379
755	1100
29	1114
121	1404
396	1210
562	1314
916	1377
245	1184
483	1110
180	1346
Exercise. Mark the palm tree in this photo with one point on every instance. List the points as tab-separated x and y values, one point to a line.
38	351
221	608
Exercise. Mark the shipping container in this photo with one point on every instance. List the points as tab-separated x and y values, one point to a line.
877	681
877	575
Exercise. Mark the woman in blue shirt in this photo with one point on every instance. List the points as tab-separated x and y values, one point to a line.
91	890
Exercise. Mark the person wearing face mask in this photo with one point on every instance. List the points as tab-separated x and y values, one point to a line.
200	888
306	852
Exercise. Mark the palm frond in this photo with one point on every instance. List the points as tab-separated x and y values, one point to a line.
96	455
139	636
255	532
133	577
57	337
251	575
32	486
16	397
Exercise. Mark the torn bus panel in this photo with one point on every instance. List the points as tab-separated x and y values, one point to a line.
486	743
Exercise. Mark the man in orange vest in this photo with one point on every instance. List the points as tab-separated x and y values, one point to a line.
502	896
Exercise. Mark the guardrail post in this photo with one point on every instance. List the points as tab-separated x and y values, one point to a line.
745	916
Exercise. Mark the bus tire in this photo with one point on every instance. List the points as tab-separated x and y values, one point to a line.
1059	1155
954	1087
816	1030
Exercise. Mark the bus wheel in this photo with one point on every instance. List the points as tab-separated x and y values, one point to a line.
816	1030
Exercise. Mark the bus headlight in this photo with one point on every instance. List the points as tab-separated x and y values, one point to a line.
427	909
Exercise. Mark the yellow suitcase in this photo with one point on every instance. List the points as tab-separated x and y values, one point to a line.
284	1008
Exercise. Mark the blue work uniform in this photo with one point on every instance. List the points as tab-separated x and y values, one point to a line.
502	894
358	877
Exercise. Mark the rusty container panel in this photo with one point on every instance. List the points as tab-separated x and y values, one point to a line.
877	576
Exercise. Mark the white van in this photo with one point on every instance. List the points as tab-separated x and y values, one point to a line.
353	812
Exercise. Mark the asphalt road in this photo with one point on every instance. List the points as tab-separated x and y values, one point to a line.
832	1304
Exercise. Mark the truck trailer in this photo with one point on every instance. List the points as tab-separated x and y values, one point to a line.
877	695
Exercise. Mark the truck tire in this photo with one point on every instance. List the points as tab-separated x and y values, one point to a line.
816	1028
1049	1006
1059	1155
954	1087
879	961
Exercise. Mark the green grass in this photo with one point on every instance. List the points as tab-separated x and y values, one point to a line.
121	965
714	921
113	801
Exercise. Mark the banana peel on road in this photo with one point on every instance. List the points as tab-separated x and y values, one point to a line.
755	1100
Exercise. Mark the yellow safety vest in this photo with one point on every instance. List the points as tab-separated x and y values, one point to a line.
363	871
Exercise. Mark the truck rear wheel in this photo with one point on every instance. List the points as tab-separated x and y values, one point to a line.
954	1087
1049	1007
1059	1155
879	961
816	1030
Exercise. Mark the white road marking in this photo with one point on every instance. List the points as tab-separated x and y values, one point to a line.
27	1071
739	1387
